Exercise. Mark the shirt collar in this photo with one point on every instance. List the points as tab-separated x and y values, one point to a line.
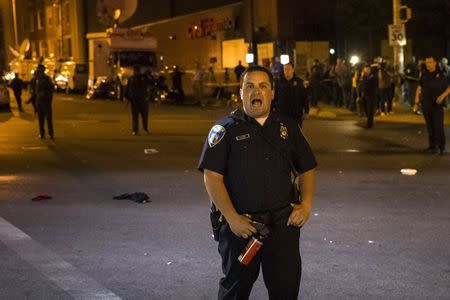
239	114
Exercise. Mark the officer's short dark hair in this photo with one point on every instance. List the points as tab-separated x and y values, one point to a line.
256	69
431	56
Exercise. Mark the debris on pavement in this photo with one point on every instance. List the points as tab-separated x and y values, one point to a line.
408	172
41	197
150	151
136	197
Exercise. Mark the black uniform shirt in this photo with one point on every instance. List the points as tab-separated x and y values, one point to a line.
290	98
433	85
256	175
44	89
369	86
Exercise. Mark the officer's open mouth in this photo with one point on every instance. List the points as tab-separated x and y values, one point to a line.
256	102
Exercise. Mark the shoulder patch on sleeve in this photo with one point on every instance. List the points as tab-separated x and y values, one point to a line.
215	135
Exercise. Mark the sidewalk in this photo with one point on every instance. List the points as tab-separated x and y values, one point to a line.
402	114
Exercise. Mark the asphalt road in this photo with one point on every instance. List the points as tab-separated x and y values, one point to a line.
374	233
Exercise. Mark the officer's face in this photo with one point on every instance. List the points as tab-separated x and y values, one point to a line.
288	70
256	94
430	63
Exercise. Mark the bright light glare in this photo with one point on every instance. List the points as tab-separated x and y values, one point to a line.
249	58
332	51
284	59
61	77
354	60
9	76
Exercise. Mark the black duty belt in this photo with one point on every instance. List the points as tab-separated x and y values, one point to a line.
275	217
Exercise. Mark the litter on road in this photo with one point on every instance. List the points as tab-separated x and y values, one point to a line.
136	197
408	172
41	197
150	151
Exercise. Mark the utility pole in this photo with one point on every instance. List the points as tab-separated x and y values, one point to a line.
253	45
61	44
399	57
16	35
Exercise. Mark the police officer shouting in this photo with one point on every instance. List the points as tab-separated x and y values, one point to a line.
290	95
434	87
247	163
43	91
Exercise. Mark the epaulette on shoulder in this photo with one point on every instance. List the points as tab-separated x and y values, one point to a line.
238	115
226	121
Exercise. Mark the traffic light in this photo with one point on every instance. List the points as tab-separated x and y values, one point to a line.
405	13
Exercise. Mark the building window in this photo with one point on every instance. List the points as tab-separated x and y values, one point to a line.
23	21
31	23
66	13
67	47
40	19
49	15
42	48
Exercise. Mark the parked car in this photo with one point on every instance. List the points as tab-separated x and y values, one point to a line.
72	77
4	96
102	88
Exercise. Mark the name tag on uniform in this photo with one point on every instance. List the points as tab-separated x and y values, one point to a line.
243	137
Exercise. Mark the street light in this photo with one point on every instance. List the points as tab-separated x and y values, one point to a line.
249	58
354	60
284	59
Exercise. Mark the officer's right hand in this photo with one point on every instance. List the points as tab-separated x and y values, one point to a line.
241	226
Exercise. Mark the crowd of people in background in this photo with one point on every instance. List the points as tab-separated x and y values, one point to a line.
366	88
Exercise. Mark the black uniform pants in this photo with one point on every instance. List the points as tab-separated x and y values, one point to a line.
279	258
384	99
316	92
45	114
139	108
369	108
18	96
347	95
412	88
434	119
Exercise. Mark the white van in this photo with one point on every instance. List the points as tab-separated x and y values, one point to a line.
72	77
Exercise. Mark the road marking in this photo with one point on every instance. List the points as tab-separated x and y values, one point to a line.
34	148
67	99
64	275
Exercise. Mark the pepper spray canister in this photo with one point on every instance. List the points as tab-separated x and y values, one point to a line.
250	251
254	244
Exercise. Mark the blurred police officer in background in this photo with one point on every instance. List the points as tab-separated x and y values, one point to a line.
290	95
434	87
368	89
136	92
43	91
17	86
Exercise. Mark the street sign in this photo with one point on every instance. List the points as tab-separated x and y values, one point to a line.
397	35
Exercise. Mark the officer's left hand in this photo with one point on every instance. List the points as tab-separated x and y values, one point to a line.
299	215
